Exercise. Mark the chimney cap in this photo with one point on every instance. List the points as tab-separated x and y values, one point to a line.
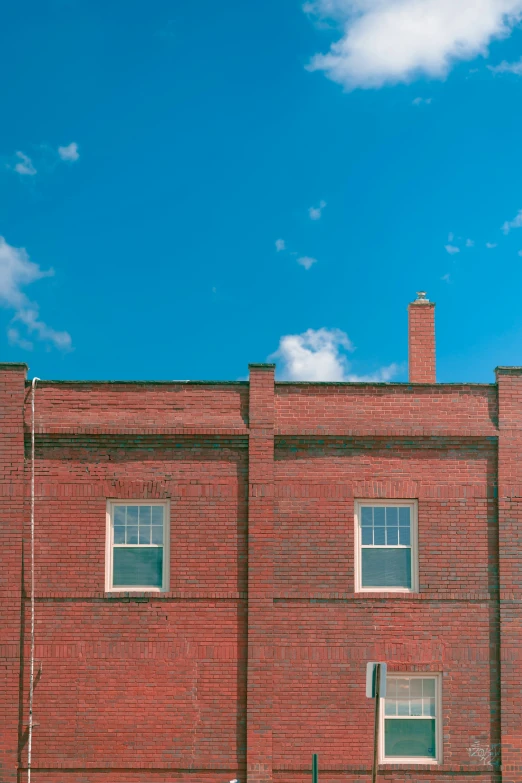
421	298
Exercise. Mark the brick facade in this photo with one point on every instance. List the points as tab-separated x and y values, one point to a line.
255	657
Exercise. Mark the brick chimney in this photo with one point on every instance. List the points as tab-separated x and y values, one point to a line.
421	340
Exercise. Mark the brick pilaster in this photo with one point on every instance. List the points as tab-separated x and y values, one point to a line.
12	390
509	381
421	341
260	573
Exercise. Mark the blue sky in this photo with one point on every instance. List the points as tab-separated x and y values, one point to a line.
152	154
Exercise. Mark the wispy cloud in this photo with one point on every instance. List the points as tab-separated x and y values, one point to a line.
280	245
515	223
421	101
491	245
505	67
25	165
446	278
43	160
470	243
392	41
306	261
451	249
321	355
16	272
70	152
315	213
520	252
14	338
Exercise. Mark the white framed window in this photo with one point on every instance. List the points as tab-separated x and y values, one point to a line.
137	556
386	546
411	727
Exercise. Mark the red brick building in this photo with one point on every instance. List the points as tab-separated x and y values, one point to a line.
215	563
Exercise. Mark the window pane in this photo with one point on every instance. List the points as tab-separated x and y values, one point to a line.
144	515
416	707
119	515
392	536
367	536
132	535
403	707
144	535
132	515
416	687
138	567
404	516
404	536
391	688
403	687
379	536
119	535
386	567
409	738
392	516
157	535
390	707
429	705
428	687
379	516
157	515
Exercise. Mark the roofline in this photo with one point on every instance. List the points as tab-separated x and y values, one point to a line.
319	384
43	382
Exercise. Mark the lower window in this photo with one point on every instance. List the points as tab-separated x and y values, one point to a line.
410	719
137	545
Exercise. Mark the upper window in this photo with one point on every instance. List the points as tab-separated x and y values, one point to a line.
411	718
386	535
137	546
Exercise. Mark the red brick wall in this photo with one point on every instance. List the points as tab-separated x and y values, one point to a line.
255	657
12	391
421	341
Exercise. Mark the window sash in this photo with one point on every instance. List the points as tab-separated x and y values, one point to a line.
387	517
435	718
154	567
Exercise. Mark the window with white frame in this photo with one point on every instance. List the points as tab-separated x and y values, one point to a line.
386	536
137	551
410	729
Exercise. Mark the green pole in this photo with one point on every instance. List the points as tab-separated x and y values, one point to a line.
315	776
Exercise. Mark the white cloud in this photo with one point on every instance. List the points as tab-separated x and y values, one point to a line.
320	355
451	249
491	245
515	223
505	67
391	41
470	243
25	166
306	261
16	272
315	213
70	152
280	245
420	101
13	335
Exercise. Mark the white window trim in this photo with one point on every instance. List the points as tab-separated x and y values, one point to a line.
438	723
109	546
411	504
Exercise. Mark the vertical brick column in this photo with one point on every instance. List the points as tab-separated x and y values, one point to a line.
421	340
12	390
509	381
260	573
